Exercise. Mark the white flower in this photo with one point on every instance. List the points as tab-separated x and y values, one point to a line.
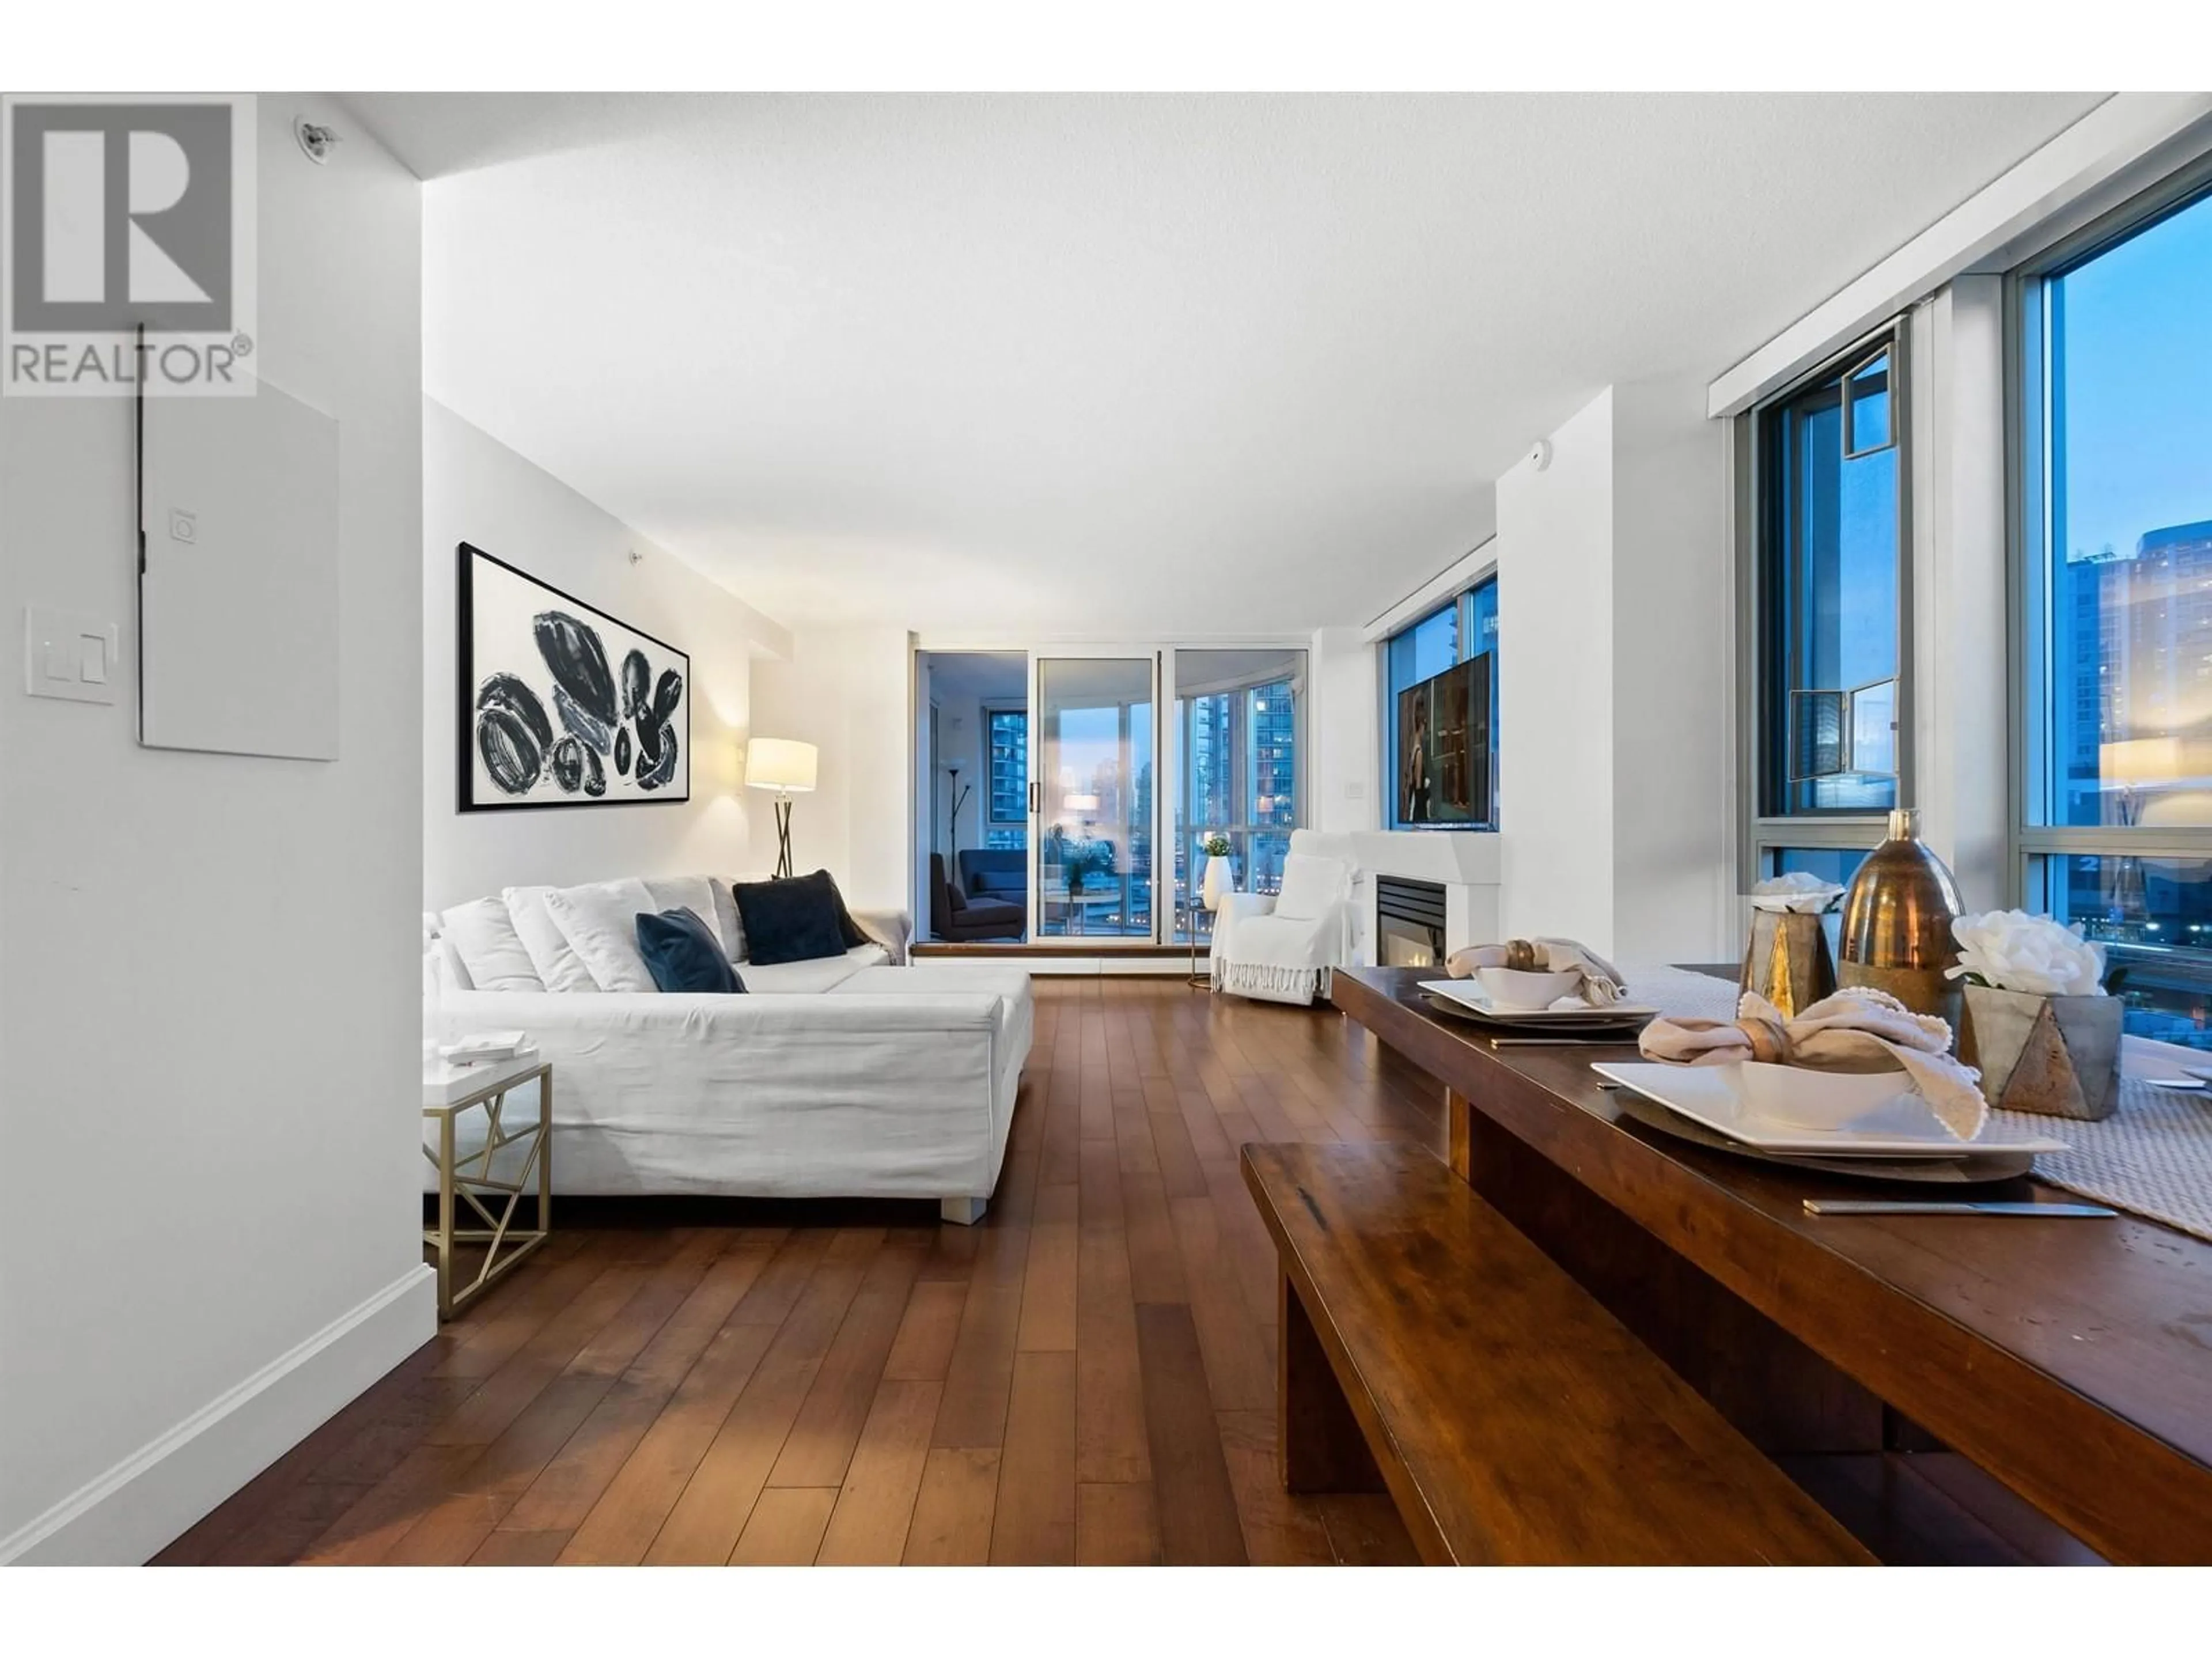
1800	891
2016	951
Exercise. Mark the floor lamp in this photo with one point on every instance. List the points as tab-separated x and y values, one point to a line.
785	767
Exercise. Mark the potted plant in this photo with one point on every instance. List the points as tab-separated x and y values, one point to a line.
2038	1018
1218	879
1078	857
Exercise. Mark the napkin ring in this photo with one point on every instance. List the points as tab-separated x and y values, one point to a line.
1770	1043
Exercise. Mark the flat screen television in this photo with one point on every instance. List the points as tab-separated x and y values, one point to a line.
1443	748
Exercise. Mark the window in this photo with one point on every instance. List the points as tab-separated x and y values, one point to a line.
1009	810
1827	749
1462	626
1837	865
2114	468
1239	713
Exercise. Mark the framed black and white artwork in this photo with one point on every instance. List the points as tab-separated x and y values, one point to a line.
560	705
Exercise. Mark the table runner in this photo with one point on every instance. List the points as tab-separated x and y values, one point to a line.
2152	1157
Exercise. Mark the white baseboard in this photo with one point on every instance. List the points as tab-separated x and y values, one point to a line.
1058	967
135	1510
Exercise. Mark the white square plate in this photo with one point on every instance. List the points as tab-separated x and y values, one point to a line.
1468	994
1712	1095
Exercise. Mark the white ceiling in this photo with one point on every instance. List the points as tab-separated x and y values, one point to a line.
993	366
973	676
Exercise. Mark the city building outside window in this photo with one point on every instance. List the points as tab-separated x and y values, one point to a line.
2113	469
1006	811
1240	716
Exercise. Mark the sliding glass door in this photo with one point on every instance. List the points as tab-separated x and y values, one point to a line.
1088	780
1093	736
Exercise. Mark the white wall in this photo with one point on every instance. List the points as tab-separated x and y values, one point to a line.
1673	638
475	489
1614	724
1344	726
849	692
1555	685
209	986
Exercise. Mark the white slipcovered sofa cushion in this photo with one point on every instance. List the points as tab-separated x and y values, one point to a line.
706	897
557	964
482	935
809	978
584	939
600	921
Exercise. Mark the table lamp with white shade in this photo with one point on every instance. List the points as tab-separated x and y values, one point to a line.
786	766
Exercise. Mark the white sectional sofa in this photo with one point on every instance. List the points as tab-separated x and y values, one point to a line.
847	1077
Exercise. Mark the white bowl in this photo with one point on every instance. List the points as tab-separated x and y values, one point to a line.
1800	1099
1510	989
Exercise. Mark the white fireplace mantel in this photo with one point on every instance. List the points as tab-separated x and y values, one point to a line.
1456	858
1464	863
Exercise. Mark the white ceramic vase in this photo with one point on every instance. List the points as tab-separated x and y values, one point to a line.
1220	881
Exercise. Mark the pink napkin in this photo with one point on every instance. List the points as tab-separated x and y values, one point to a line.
1854	1030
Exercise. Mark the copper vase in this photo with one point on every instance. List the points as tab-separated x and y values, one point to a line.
1897	913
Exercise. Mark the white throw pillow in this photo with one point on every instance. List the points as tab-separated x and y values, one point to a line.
1310	886
450	971
705	897
729	925
600	922
482	933
558	965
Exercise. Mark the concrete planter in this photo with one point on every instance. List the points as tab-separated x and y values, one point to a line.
2057	1057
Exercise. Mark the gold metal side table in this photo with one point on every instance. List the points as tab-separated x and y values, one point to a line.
467	1177
1192	907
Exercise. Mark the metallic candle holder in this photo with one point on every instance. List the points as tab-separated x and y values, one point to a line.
1897	913
1787	961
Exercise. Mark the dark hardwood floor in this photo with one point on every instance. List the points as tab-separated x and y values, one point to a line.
1086	1377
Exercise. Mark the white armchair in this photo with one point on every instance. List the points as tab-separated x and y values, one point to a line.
1282	947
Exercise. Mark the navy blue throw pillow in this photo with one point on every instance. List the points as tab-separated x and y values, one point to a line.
796	919
847	929
682	953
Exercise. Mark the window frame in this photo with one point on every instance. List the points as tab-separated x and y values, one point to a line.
1761	748
2032	840
1460	604
1239	770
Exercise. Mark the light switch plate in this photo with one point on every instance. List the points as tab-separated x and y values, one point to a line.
72	654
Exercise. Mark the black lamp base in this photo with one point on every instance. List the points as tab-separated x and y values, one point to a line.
783	837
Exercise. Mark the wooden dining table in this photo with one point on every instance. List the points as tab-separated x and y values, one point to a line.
1953	1388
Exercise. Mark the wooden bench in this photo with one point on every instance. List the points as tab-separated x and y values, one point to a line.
1427	1348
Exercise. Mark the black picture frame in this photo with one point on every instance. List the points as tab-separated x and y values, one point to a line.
470	676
